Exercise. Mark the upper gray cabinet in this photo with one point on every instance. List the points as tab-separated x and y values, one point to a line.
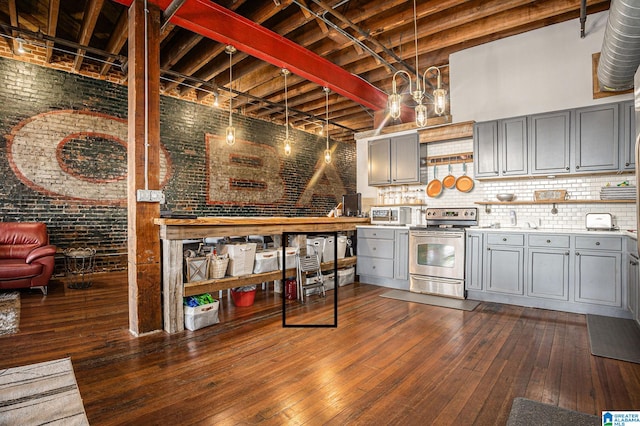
395	160
500	147
550	142
597	138
628	116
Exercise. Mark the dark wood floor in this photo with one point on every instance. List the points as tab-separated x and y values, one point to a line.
388	362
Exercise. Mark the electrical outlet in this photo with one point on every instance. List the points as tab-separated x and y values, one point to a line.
150	196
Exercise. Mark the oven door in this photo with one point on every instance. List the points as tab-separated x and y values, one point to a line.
437	253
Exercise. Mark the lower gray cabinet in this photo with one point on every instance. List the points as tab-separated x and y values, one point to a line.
580	272
598	278
401	256
504	264
473	259
548	273
383	256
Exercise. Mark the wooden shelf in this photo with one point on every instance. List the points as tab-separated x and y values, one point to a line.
205	286
554	202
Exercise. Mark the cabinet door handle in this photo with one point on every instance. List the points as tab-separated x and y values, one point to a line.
488	248
597	243
373	248
548	241
577	167
567	168
577	254
633	263
566	253
504	239
626	164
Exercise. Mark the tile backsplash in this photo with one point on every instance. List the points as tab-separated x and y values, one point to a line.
569	216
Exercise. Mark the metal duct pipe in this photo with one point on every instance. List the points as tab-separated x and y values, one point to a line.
620	55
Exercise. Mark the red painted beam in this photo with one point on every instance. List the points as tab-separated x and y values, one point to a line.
222	25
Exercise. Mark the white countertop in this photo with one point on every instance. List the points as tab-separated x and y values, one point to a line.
621	232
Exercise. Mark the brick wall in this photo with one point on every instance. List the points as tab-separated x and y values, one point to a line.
63	161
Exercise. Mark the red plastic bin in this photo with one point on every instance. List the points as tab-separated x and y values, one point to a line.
243	298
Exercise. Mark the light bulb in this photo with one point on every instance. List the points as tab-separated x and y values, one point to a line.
231	135
327	156
394	105
421	115
287	147
216	103
440	101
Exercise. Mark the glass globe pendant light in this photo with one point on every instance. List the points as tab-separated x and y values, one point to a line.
327	151
231	131
287	142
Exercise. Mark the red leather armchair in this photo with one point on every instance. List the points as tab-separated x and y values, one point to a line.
26	257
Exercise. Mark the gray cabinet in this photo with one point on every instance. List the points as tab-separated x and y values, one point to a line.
395	160
598	267
548	266
597	139
500	148
628	116
504	263
383	256
573	272
401	255
380	162
473	259
550	142
485	149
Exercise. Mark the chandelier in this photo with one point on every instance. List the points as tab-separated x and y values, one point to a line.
231	131
439	94
327	151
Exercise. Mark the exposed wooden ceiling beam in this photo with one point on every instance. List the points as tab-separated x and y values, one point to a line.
52	24
117	40
13	18
91	14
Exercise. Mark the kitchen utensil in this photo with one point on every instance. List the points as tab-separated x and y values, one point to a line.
434	188
505	197
449	180
464	183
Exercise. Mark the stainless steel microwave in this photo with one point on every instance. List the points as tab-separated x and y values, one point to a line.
390	215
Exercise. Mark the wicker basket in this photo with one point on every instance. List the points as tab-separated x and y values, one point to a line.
218	266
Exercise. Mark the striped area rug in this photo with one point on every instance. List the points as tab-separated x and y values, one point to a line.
38	394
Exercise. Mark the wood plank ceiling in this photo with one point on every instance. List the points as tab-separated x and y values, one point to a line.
369	38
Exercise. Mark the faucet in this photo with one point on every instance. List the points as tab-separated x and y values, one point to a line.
512	217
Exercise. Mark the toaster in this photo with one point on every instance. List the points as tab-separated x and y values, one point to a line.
599	221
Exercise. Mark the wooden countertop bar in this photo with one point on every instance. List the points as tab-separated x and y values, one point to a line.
183	229
174	231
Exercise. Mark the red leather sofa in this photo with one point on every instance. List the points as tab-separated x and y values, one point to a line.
26	257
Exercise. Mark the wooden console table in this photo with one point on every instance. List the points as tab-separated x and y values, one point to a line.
174	231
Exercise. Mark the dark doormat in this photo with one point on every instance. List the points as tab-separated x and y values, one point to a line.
616	338
525	412
427	299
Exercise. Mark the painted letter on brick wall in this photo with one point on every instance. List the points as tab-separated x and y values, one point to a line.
245	173
325	182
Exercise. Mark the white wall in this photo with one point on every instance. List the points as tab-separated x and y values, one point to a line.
538	71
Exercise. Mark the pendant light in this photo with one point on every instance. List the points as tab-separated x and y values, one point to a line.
439	94
231	131
327	152
287	142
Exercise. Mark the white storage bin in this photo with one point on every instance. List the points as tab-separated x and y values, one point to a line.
266	261
290	257
315	246
328	249
241	258
346	276
201	316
